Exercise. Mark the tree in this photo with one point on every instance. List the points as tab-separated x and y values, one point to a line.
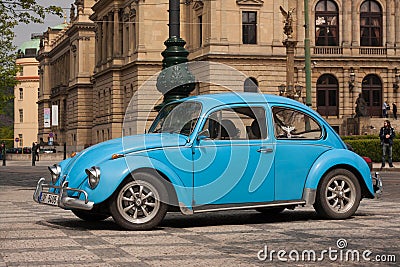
12	13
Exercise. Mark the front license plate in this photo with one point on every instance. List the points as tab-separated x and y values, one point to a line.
49	199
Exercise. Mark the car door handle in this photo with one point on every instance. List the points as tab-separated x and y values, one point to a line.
265	150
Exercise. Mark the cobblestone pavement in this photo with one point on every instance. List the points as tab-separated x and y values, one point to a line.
38	235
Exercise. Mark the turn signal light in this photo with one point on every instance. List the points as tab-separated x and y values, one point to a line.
117	156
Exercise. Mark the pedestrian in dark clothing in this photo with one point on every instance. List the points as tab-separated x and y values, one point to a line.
37	149
394	111
387	134
33	154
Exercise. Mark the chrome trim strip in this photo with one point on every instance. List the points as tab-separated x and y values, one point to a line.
64	201
258	205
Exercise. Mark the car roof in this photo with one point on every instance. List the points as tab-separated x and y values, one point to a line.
233	98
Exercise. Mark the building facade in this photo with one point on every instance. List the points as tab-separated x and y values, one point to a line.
355	48
26	94
66	59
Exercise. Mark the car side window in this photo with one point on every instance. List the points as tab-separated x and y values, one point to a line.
237	123
293	124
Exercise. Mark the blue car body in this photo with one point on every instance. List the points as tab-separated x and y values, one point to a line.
208	174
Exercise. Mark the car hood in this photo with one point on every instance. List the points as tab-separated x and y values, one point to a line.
93	156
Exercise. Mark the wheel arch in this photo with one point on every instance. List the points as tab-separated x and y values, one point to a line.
122	170
364	189
172	196
334	159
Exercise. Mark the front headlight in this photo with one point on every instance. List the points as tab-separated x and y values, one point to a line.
93	176
55	172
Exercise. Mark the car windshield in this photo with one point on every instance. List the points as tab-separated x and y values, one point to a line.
178	117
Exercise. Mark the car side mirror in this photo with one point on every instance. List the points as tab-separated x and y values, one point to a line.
203	135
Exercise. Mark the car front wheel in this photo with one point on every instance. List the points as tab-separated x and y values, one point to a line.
338	195
139	204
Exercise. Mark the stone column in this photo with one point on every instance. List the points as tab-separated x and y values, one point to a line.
116	39
104	40
397	23
355	38
290	45
346	15
98	43
132	33
300	22
126	37
389	23
110	40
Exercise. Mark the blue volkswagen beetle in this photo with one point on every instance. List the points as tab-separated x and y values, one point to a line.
212	153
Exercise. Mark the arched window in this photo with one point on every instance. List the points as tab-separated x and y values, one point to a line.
327	95
372	93
251	85
370	24
326	23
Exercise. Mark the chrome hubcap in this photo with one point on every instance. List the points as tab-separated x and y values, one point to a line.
138	202
340	194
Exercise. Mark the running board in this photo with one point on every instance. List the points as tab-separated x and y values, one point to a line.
223	207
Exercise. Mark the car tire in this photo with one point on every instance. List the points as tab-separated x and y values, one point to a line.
90	216
338	195
274	210
140	203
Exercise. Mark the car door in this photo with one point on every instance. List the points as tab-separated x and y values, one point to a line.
234	163
299	142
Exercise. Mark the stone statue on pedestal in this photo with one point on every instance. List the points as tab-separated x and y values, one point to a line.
361	106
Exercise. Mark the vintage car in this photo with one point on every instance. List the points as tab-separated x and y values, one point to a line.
214	152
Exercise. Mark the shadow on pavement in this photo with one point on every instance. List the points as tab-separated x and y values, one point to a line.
177	220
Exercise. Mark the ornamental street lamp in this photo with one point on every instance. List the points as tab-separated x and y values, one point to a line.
175	80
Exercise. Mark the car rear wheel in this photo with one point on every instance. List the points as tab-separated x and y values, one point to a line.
90	216
338	195
140	203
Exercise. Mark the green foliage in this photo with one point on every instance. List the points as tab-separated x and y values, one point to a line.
12	13
372	148
358	137
7	132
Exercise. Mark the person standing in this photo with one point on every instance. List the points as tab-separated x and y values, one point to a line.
394	110
3	152
37	149
385	109
33	154
387	134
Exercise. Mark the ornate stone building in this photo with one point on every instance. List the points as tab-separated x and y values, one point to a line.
66	59
355	48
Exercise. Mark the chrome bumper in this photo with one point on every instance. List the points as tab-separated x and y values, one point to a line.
378	185
64	201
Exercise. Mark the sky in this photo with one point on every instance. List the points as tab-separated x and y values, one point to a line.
23	31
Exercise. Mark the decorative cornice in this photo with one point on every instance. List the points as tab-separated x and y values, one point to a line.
250	2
